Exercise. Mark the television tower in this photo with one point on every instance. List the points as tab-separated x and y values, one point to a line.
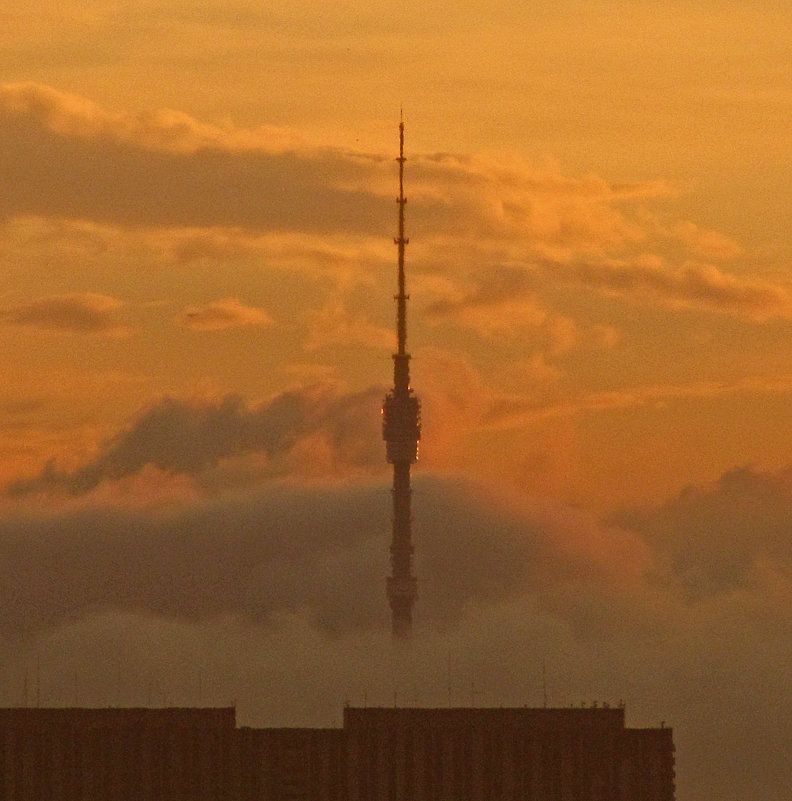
401	430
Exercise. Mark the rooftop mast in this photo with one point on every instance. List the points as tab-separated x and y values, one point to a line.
401	430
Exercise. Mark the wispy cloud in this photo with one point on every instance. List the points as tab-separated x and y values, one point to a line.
334	325
504	299
692	286
508	412
83	313
210	192
221	314
166	130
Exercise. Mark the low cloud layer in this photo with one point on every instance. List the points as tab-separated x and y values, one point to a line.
268	587
724	538
274	596
313	550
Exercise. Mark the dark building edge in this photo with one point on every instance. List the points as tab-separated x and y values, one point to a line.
380	754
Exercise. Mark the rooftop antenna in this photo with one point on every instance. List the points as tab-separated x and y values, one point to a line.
448	682
475	692
544	682
401	430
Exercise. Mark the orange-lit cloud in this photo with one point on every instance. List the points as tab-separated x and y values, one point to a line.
84	313
168	130
504	232
508	412
504	300
182	437
706	244
336	326
692	285
166	169
221	314
137	178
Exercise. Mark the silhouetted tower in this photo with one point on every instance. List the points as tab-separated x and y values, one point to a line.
401	430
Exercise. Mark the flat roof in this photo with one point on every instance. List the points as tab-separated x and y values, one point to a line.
120	717
601	717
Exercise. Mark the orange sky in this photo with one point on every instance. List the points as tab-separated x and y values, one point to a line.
601	245
196	246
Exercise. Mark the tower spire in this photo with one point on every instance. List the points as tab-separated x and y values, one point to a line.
401	242
401	430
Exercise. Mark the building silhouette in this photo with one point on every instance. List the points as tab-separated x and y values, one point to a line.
398	754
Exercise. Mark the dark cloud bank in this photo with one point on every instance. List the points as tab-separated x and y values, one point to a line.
314	550
185	437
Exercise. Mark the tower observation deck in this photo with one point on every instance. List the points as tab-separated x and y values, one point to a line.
401	430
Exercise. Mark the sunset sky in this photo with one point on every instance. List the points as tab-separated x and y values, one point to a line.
196	321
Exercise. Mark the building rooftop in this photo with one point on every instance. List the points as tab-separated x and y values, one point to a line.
120	718
510	717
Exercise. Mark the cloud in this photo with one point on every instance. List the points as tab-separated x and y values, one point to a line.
334	326
221	557
130	177
486	198
84	313
221	314
283	586
512	411
503	300
162	188
71	115
507	301
178	436
724	537
251	554
692	286
706	244
166	169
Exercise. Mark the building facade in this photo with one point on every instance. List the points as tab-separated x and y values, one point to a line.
399	754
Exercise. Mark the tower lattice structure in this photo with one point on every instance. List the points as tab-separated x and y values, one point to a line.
401	430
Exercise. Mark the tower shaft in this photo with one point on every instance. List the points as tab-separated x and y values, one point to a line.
401	430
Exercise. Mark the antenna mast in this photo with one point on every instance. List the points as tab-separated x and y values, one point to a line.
401	430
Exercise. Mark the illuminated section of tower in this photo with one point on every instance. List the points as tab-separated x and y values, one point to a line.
401	430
